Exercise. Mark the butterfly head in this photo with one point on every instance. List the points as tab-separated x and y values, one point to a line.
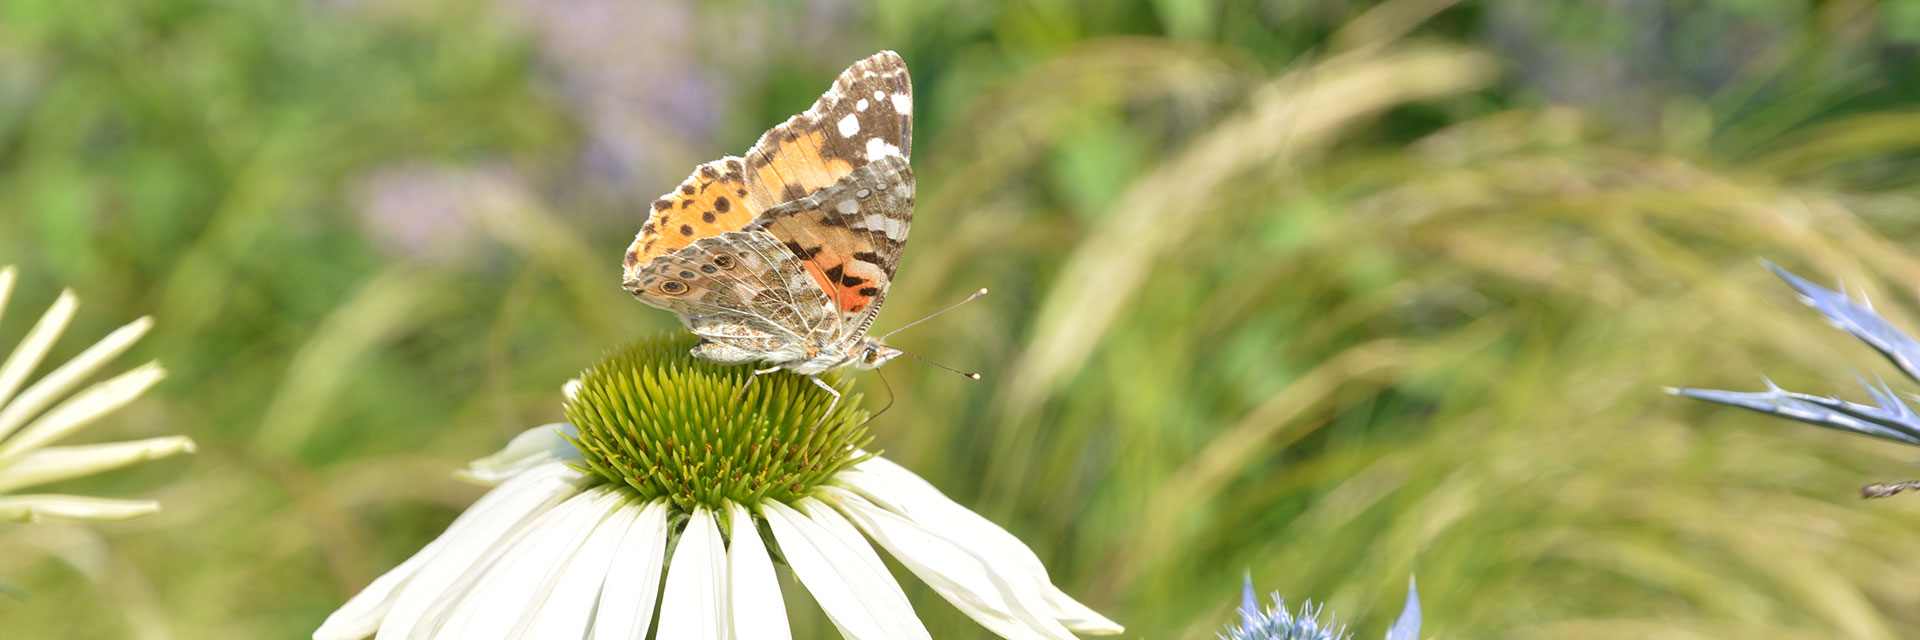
872	353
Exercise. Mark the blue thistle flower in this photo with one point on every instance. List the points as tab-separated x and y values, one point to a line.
1887	418
1277	623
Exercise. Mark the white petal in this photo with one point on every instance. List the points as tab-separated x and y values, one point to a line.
471	544
33	508
531	448
518	585
758	611
362	614
968	582
6	285
62	379
626	602
34	346
52	464
98	400
898	490
568	612
865	605
694	603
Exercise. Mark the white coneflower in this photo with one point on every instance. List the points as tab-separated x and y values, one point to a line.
670	491
28	425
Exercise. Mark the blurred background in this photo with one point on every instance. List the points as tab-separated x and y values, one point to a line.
1331	292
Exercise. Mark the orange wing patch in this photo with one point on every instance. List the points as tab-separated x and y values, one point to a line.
712	201
792	166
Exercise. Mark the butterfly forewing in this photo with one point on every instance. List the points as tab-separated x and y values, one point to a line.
867	115
713	200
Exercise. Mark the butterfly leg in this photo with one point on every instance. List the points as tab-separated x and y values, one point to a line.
830	406
756	375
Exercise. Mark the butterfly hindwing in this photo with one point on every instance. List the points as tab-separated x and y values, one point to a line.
741	289
713	200
867	115
849	236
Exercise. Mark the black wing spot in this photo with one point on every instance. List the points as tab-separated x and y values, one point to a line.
686	229
707	268
707	215
868	257
686	189
673	287
662	204
686	274
723	261
802	252
852	281
834	273
870	291
721	204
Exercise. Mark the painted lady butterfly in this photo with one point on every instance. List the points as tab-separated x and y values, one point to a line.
785	256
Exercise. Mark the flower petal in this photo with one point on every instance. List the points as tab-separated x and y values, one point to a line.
694	605
1407	627
517	585
471	544
568	611
626	601
98	400
898	490
963	579
864	604
530	449
39	339
51	464
35	507
61	380
758	611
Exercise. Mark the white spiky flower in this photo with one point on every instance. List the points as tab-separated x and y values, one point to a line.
35	416
669	492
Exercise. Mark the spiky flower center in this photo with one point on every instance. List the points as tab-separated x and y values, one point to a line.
667	424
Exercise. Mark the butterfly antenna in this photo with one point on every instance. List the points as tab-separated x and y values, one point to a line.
976	294
890	397
916	356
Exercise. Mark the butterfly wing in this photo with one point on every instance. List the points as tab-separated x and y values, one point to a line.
867	115
849	237
741	289
712	201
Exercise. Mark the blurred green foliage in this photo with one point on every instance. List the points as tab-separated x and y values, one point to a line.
1331	291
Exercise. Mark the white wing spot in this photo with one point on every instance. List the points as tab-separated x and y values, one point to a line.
862	193
903	104
861	105
847	207
877	148
849	125
879	95
895	229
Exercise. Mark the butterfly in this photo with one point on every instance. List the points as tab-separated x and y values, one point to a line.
786	255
